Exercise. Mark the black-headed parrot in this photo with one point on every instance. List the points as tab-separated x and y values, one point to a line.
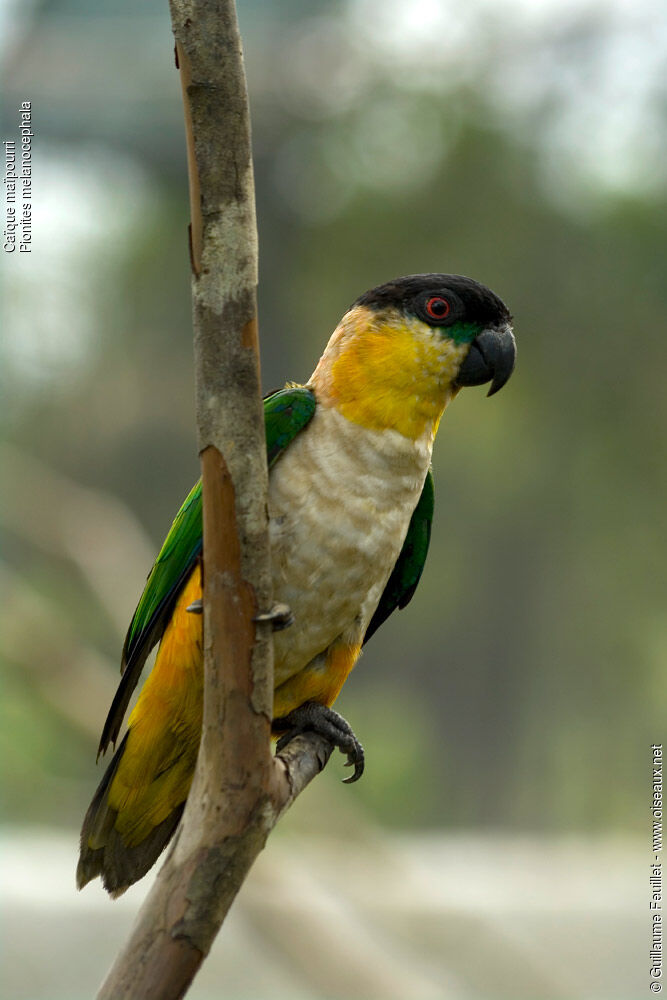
350	510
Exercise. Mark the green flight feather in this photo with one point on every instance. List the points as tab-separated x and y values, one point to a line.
175	560
286	413
405	575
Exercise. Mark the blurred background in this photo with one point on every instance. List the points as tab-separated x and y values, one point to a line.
498	845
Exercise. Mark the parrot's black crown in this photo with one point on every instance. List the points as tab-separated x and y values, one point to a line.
475	302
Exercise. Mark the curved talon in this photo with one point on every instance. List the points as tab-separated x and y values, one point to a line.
358	763
316	718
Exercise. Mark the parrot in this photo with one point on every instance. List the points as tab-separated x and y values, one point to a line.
350	502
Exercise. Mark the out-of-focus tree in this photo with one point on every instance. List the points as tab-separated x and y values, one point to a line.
549	513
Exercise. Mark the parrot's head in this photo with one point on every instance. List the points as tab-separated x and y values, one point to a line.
404	349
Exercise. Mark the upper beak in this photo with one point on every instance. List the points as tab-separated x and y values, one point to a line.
491	359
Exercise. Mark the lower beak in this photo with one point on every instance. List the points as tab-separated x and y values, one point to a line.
491	358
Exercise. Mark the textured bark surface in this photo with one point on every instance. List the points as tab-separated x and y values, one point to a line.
239	789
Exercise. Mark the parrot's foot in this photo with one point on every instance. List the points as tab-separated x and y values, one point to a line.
315	718
280	616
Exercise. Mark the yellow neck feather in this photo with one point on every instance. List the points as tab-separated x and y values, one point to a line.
386	371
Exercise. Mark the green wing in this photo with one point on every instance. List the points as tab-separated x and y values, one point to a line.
174	563
286	413
405	575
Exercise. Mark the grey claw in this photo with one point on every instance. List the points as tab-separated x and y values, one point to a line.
355	758
358	771
280	616
318	718
196	608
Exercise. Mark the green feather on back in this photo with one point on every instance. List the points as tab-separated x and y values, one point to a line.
286	412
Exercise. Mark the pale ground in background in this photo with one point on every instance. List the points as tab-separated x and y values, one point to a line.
402	918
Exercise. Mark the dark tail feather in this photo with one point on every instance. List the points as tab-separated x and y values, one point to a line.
117	864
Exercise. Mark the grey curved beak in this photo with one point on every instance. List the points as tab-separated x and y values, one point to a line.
491	358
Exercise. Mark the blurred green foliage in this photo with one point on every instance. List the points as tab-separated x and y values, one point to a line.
525	682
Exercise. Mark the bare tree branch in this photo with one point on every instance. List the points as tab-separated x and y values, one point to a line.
239	789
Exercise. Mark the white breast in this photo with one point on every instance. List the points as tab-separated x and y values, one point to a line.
340	502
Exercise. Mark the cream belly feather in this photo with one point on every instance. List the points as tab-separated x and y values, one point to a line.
340	502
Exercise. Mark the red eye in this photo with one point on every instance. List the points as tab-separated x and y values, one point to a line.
437	307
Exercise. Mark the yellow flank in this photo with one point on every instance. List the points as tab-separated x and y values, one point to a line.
384	370
157	765
320	681
156	768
